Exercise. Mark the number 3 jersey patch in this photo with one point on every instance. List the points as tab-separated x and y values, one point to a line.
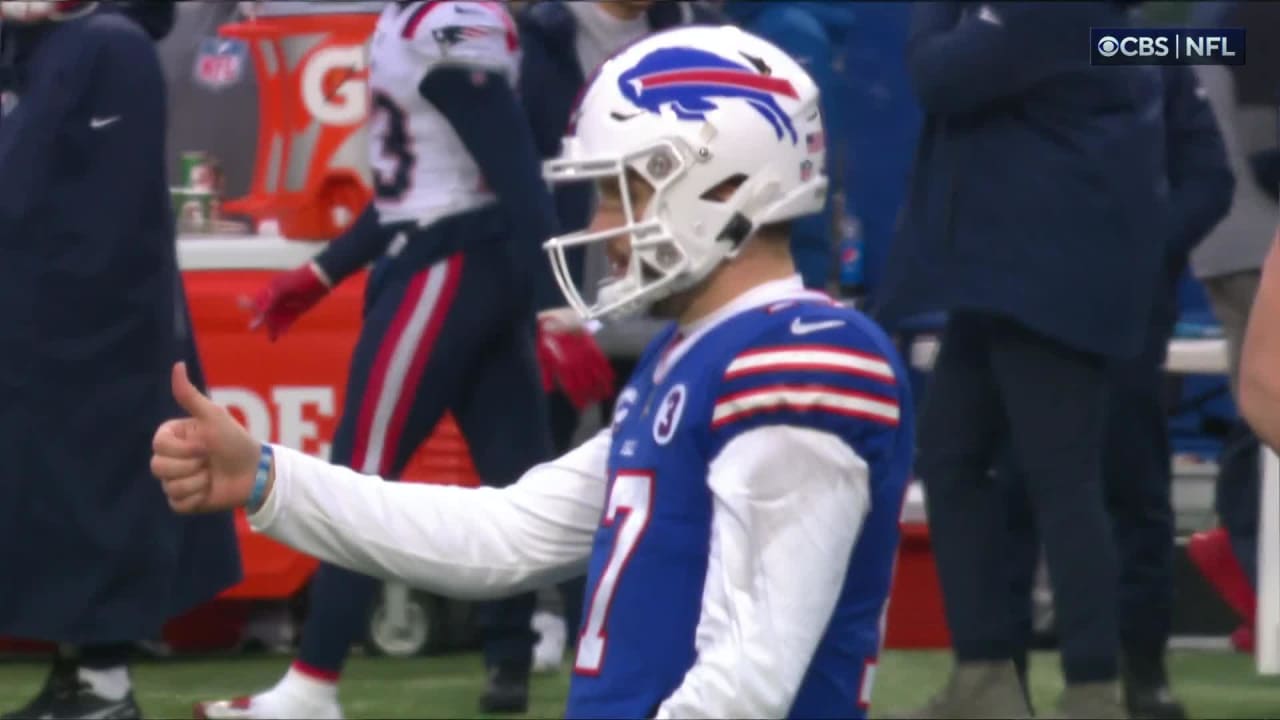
421	170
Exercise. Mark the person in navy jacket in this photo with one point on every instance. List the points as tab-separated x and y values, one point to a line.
91	557
1036	218
1136	451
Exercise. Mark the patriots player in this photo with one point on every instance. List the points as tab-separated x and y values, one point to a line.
739	519
458	213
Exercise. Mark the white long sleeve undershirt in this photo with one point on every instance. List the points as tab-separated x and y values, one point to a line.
788	507
462	542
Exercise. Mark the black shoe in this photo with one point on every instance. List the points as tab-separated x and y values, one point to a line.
1152	703
70	698
1146	690
507	691
61	680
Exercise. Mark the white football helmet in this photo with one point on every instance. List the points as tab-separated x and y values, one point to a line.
690	110
34	11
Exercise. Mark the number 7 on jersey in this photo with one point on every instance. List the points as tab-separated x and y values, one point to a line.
631	497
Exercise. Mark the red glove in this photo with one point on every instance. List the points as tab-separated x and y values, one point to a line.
571	360
289	295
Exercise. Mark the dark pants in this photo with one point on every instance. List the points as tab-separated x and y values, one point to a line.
454	336
996	382
1137	478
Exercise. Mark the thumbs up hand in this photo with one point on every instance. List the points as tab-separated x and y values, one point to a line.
205	462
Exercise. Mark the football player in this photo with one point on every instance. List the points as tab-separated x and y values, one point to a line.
739	519
458	213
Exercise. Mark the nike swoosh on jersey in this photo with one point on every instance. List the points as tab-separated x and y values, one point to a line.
98	123
800	327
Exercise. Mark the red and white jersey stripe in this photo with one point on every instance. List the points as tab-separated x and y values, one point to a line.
804	398
809	357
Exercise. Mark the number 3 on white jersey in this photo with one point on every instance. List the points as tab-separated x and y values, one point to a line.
631	496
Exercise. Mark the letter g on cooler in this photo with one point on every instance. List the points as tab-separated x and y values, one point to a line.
336	101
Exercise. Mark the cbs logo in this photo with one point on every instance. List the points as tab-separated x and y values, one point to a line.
1110	46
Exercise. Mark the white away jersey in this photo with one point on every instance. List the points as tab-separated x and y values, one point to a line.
421	171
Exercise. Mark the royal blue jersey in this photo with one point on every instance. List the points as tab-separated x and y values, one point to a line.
800	363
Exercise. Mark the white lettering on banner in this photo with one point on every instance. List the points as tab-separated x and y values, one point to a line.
343	103
289	419
291	404
249	408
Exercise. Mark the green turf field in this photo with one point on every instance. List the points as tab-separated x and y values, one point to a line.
1214	685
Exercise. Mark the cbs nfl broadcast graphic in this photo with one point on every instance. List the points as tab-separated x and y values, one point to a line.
1166	46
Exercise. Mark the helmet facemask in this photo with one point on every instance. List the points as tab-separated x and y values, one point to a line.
663	259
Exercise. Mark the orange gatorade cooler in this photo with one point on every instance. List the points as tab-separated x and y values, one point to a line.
311	62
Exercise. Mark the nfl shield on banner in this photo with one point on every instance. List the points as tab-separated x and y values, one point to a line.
220	62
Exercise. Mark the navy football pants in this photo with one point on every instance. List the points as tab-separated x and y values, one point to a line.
456	335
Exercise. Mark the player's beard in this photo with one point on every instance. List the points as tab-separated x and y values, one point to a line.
673	306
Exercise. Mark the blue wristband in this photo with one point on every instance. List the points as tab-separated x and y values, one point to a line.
265	461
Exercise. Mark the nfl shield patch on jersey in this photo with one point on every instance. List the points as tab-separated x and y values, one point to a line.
220	62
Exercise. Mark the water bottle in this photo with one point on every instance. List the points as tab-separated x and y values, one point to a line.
851	257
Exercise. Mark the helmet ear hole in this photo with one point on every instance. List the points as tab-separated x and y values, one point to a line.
737	230
723	190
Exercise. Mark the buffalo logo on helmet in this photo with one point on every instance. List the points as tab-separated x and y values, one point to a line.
690	81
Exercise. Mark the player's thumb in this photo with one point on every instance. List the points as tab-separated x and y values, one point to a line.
189	397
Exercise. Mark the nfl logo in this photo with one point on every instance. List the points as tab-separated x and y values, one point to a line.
8	101
220	62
